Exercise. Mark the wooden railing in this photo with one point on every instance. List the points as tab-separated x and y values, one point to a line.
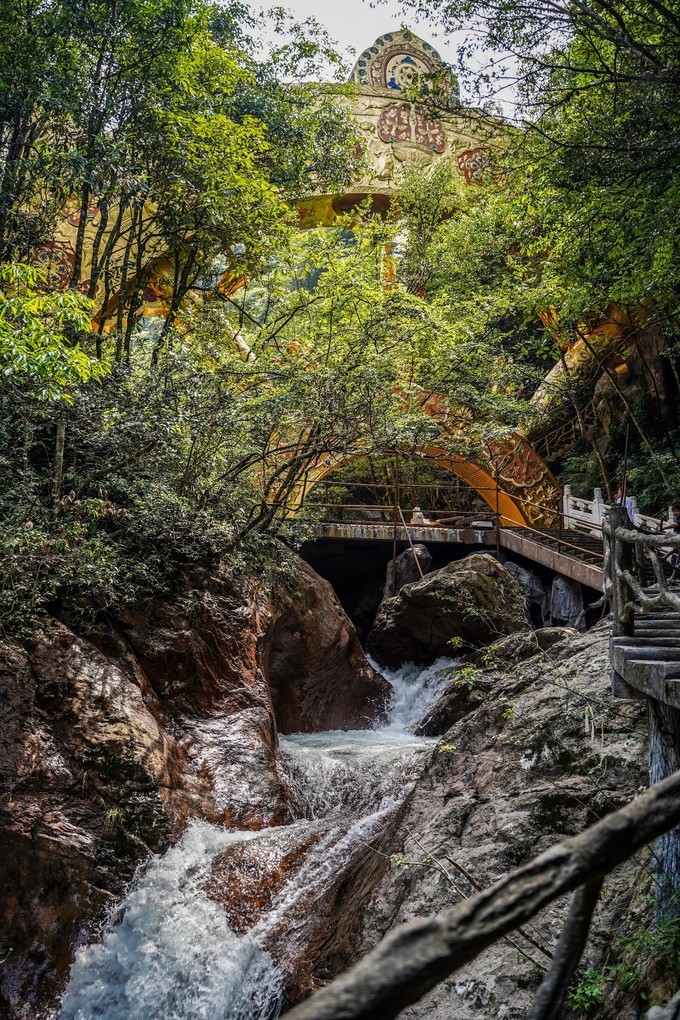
645	658
631	558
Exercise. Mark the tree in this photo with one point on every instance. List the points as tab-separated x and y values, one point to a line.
598	93
155	130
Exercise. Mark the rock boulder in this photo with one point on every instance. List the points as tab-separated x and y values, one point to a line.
474	599
406	571
566	603
317	673
515	775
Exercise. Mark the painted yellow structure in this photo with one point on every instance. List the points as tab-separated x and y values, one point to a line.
511	479
406	103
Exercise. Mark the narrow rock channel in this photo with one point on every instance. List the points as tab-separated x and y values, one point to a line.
228	923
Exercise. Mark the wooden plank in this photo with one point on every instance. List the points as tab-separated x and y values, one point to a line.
569	566
657	680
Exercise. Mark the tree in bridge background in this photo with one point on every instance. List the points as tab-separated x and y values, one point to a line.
587	189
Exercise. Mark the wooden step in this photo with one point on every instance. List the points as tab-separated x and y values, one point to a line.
654	679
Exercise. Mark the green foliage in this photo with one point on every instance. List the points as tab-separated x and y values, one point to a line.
647	953
587	994
166	127
38	328
418	333
463	254
585	185
468	677
581	469
400	862
490	658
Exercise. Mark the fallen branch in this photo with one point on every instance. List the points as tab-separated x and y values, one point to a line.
417	956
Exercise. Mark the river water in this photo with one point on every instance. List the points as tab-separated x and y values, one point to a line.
172	951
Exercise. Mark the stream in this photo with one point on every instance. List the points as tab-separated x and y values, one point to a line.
207	928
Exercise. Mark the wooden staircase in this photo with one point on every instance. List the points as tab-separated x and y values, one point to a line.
649	661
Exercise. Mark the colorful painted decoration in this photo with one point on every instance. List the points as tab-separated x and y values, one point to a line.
429	132
71	210
518	464
399	61
395	124
57	258
402	71
473	162
400	123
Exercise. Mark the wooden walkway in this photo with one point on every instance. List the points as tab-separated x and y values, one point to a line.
570	553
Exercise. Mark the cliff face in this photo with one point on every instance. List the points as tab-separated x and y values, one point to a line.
112	741
533	753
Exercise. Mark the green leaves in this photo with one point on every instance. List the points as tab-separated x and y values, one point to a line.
38	335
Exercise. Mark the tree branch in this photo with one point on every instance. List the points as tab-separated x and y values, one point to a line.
417	956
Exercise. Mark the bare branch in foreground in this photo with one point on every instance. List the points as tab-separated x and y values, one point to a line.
568	952
417	956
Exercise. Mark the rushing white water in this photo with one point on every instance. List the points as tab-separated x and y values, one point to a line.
169	953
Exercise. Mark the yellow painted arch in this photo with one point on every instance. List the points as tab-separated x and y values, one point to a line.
520	502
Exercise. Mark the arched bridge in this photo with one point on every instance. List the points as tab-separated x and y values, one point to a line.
564	536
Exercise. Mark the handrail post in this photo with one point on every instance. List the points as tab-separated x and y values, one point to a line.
408	536
598	508
620	559
566	505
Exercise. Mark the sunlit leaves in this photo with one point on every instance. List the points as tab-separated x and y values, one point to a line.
38	331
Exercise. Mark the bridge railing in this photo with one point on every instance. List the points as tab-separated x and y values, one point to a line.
589	514
414	524
562	524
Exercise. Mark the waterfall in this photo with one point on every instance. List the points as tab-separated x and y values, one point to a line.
169	950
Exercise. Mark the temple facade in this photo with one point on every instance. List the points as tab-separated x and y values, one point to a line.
407	105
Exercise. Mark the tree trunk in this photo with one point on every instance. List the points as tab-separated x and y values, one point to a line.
58	474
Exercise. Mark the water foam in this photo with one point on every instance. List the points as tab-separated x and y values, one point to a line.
168	952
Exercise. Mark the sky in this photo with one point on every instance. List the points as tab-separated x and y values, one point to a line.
358	23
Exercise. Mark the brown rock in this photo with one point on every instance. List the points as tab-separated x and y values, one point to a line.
474	599
110	744
318	675
89	784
